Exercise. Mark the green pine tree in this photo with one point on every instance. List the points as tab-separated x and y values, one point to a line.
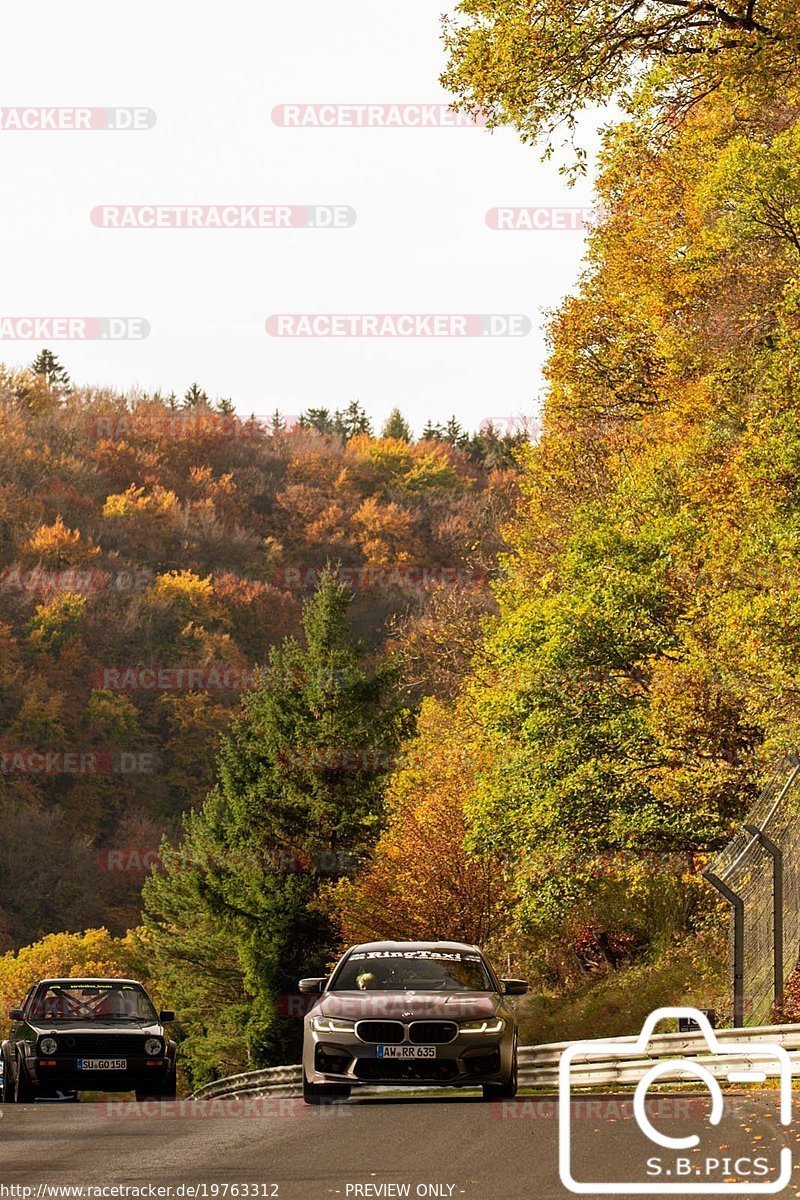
47	365
432	433
396	426
195	397
351	421
317	418
298	799
454	434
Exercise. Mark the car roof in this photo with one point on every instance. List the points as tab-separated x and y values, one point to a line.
366	946
103	979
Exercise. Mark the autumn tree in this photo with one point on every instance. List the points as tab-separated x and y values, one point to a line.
93	953
540	67
421	883
59	546
385	533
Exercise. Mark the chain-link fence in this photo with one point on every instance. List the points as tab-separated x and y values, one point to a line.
758	873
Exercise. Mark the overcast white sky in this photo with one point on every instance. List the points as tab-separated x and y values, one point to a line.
213	73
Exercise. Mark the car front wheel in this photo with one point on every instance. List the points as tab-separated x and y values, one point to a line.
7	1091
324	1093
506	1090
168	1090
24	1091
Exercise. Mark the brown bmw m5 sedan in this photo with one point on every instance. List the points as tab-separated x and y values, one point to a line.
410	1014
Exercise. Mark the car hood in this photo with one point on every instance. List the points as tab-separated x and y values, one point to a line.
82	1028
408	1006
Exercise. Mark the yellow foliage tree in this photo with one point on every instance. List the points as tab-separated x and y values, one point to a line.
380	462
137	501
185	595
94	953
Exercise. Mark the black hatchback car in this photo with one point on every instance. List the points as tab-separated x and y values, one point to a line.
411	1014
73	1035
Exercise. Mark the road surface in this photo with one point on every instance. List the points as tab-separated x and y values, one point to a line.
435	1147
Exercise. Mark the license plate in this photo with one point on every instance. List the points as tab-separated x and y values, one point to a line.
406	1052
102	1064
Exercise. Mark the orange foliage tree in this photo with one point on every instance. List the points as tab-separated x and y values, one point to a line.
421	881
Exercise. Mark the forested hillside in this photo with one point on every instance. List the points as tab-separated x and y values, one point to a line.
153	550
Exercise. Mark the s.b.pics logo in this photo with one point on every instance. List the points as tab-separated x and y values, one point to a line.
719	1143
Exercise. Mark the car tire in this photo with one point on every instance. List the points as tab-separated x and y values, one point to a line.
24	1091
7	1090
324	1093
168	1091
506	1090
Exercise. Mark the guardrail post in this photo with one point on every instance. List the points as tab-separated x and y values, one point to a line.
776	854
737	904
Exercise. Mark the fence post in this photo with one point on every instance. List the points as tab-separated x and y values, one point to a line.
776	854
737	904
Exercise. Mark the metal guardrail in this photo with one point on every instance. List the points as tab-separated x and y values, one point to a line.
538	1065
274	1081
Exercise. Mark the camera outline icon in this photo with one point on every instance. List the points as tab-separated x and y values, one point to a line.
693	1068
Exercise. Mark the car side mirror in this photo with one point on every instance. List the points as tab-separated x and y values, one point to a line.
310	987
166	1015
514	987
15	1014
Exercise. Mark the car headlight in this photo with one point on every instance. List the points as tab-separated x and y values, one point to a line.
332	1025
494	1026
48	1046
152	1047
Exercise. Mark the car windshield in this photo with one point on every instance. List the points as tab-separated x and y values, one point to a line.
71	1001
412	970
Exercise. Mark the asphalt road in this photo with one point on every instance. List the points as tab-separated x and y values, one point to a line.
465	1147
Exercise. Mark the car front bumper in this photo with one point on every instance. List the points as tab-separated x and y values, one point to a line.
62	1073
470	1060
